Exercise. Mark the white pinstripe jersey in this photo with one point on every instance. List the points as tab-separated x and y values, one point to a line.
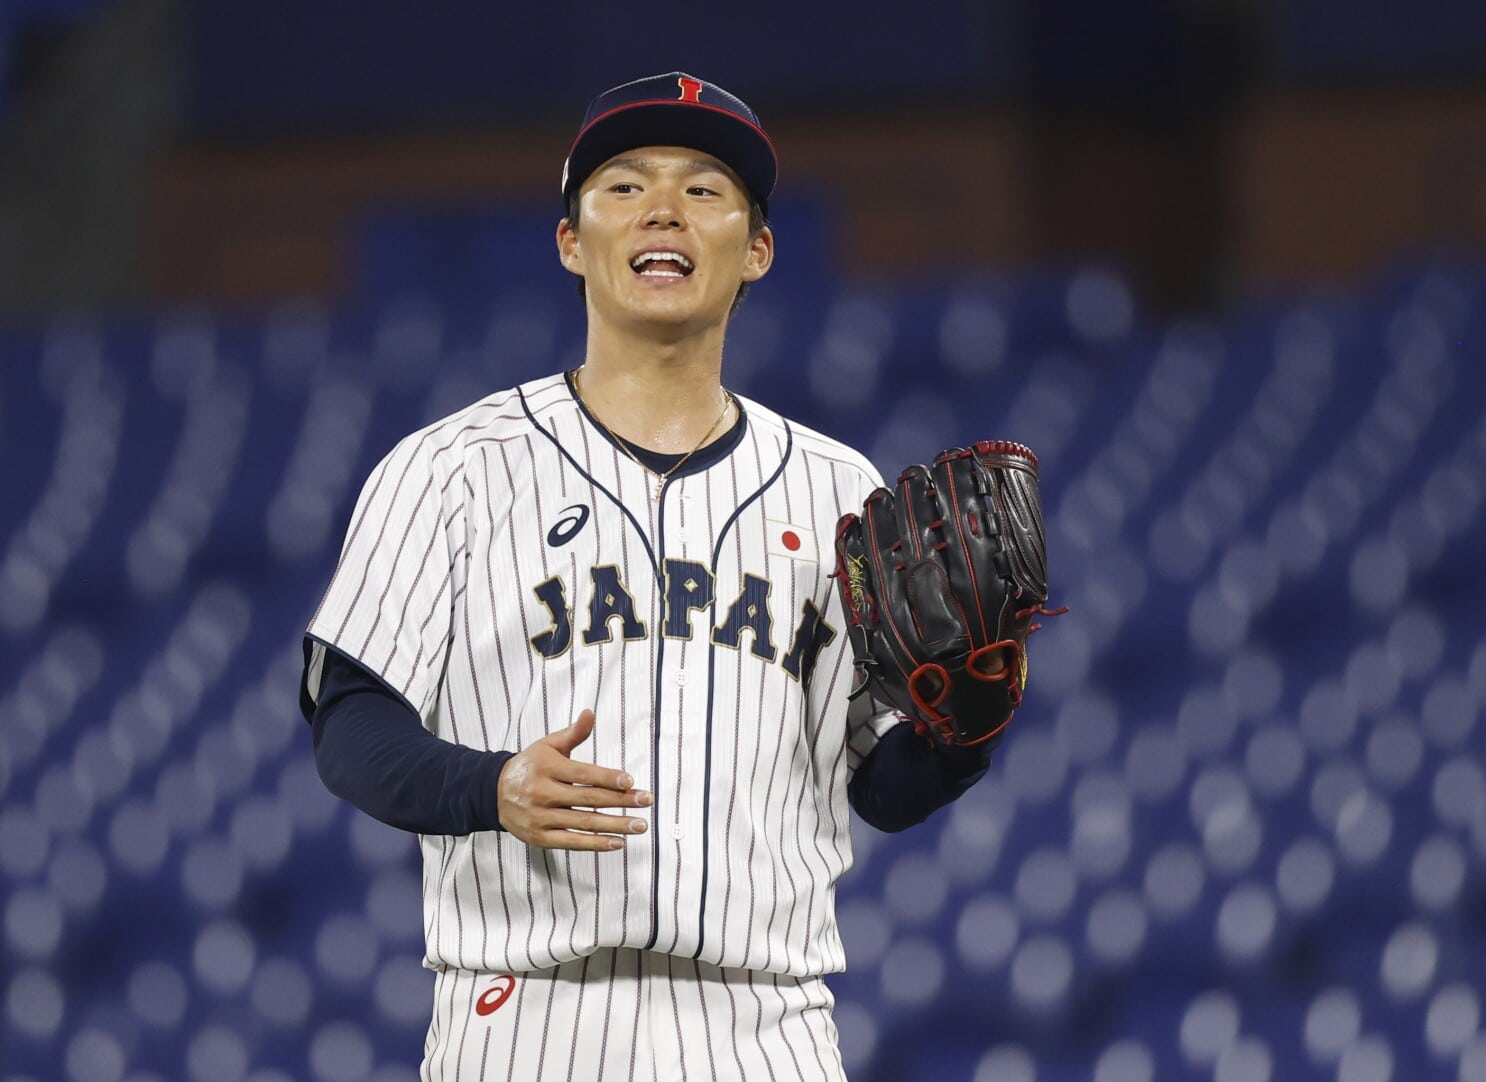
507	567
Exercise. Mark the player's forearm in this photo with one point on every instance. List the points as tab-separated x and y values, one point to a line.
904	779
373	752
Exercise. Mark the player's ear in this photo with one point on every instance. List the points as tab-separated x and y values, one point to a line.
760	255
568	252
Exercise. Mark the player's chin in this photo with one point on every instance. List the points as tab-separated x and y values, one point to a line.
675	306
661	290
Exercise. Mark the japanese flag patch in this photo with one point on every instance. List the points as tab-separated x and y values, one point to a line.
787	539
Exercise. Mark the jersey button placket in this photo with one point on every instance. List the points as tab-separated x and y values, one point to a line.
682	534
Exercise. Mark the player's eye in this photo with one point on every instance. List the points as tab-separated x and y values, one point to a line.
624	187
699	189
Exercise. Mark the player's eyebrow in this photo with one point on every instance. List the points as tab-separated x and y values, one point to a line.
649	165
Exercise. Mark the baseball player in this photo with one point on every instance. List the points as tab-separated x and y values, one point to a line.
583	639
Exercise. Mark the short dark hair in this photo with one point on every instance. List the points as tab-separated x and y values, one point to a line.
756	225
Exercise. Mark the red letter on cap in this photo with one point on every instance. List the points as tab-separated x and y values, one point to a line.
691	89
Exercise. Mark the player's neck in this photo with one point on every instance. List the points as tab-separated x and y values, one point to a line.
663	396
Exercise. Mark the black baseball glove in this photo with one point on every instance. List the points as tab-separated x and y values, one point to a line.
940	579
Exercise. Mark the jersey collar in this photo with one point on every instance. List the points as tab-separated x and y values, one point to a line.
658	462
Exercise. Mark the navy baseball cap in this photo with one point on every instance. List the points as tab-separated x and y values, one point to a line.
674	110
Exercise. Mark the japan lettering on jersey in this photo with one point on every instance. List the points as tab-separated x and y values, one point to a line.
507	568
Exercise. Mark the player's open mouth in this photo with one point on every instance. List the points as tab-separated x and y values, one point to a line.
661	265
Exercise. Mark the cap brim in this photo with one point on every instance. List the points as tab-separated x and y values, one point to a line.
724	135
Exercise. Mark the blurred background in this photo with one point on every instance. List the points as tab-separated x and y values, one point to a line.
1217	261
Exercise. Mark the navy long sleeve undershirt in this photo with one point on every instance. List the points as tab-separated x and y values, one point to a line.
372	750
904	778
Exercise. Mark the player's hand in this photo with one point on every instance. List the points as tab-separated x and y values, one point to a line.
542	788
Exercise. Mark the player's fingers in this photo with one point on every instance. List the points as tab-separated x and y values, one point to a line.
588	822
576	772
595	796
571	839
565	740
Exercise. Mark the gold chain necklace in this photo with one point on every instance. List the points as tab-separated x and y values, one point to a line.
660	478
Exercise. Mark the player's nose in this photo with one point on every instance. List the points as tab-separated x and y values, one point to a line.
663	209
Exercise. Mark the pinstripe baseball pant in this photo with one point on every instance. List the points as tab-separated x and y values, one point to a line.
622	1014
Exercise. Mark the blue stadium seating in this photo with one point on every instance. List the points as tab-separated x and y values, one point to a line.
1238	832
